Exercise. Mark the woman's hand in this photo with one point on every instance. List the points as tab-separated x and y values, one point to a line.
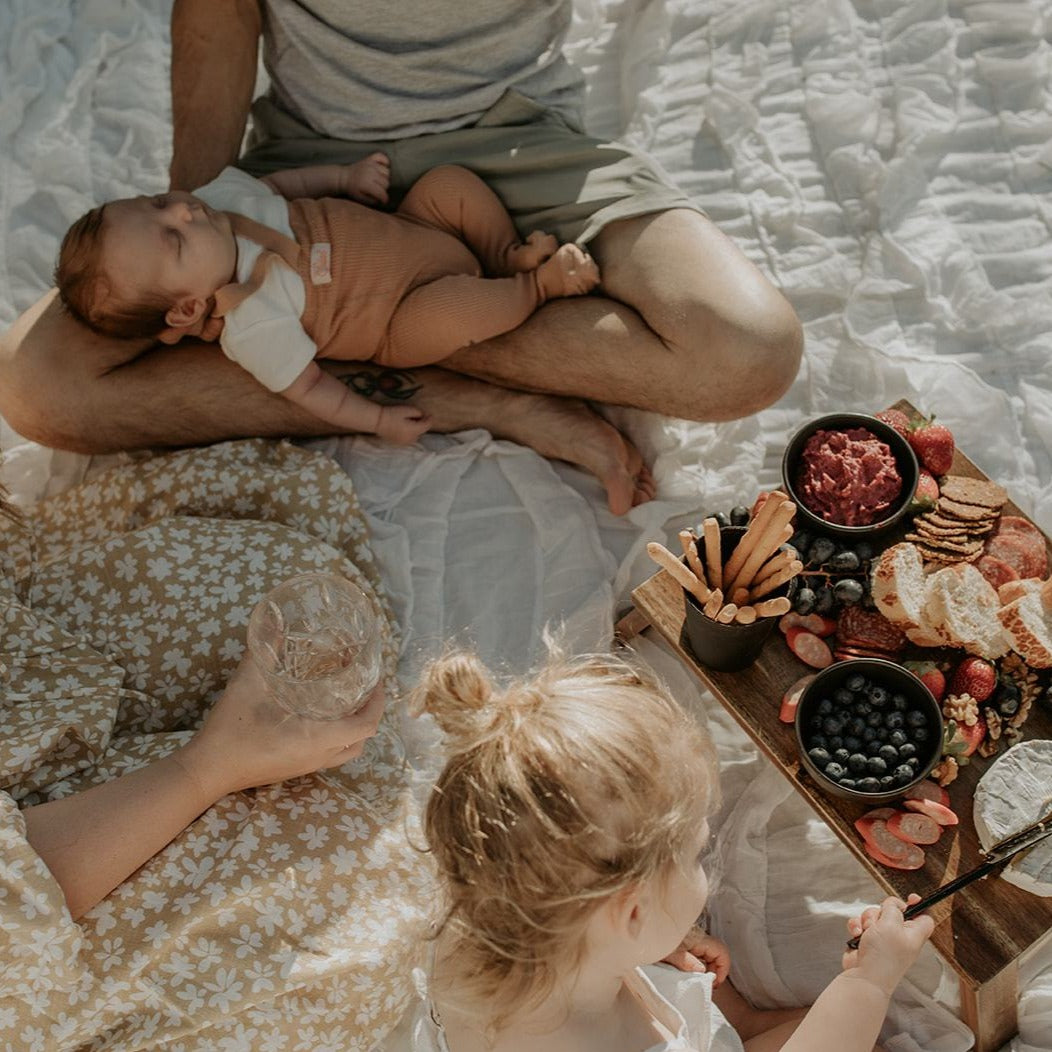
701	952
248	740
889	944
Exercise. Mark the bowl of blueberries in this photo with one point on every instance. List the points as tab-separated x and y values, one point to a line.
868	730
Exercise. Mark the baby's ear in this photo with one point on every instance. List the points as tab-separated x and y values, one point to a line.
186	313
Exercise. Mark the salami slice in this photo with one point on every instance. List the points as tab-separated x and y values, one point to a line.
912	859
914	828
863	822
928	790
942	814
809	648
1015	549
996	571
1025	534
791	698
877	835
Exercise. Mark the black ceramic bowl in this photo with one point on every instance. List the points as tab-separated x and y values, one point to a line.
826	718
905	460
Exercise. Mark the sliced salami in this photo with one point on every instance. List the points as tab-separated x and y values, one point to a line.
1033	540
863	822
878	835
791	698
914	828
809	648
928	790
912	859
942	814
996	571
1016	549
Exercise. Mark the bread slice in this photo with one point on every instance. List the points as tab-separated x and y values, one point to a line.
1027	623
899	585
962	607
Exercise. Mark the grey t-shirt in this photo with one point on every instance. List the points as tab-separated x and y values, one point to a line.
388	69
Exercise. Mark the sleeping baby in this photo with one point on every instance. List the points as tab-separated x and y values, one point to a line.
305	269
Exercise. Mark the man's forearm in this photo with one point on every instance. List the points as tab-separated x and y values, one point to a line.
214	49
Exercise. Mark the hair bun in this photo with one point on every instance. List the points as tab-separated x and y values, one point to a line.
456	689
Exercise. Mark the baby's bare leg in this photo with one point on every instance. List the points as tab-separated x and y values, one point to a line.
457	201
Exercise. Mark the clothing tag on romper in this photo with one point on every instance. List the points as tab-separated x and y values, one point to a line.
321	263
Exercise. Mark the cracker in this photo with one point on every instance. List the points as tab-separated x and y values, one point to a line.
980	492
965	546
969	512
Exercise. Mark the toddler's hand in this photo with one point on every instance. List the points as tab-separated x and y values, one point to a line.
701	952
402	424
889	943
367	180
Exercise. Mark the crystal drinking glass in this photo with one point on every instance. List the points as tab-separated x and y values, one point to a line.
317	641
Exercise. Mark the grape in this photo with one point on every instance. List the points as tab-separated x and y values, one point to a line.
821	551
804	601
801	540
721	519
739	515
864	550
845	562
825	600
848	590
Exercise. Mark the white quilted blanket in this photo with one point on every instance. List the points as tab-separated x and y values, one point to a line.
889	164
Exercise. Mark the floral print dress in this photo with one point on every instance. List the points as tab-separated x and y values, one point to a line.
285	918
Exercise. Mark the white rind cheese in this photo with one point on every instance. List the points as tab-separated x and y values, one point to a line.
1013	794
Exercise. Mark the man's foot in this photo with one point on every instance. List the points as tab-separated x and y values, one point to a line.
570	272
530	254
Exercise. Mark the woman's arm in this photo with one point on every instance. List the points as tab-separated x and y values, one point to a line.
95	839
214	49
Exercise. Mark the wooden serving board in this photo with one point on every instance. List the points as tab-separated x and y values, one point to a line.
982	929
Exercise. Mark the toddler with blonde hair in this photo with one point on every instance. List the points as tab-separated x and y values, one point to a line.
569	828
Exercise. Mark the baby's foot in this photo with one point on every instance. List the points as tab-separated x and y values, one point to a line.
570	272
531	253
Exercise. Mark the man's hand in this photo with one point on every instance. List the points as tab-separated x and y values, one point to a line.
701	952
367	180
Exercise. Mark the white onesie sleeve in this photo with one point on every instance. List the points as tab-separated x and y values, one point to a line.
263	334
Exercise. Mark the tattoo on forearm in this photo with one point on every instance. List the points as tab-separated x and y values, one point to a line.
396	385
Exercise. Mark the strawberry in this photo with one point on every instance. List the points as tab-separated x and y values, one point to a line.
897	419
976	677
933	444
930	675
960	740
926	493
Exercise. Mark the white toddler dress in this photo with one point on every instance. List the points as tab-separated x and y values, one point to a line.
680	1001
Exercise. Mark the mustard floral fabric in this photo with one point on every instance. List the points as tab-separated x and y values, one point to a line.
284	919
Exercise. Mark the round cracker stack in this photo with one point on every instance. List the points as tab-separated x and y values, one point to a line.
955	529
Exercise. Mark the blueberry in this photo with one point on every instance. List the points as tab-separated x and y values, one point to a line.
873	746
832	724
887	781
819	756
843	696
856	762
889	754
915	718
848	783
912	763
903	773
897	738
877	695
855	682
876	766
835	771
920	734
907	749
870	734
818	741
899	702
822	549
855	726
841	755
824	707
893	721
875	719
845	562
868	785
804	601
1008	706
852	744
836	742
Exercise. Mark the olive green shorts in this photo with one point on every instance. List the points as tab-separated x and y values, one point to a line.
550	175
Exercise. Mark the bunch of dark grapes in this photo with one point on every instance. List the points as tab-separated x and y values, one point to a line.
836	573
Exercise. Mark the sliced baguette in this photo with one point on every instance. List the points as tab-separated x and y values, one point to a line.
1027	623
899	585
962	607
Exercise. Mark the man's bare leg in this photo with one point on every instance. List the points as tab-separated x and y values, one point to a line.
685	325
66	388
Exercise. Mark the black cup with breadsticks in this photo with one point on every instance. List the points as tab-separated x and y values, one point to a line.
737	581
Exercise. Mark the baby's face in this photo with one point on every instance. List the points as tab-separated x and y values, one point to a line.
171	244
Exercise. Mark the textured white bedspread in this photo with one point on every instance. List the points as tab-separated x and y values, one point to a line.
888	163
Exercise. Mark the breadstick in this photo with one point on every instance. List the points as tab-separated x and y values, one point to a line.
768	541
740	596
746	615
715	601
690	550
780	559
776	580
752	533
773	607
726	615
713	556
667	561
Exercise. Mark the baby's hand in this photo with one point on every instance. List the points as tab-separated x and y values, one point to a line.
367	180
701	952
402	424
889	943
